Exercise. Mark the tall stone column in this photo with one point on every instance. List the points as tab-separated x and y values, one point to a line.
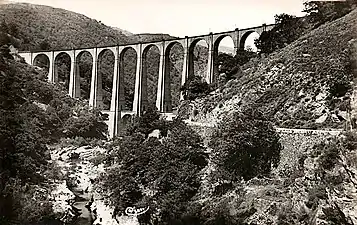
144	87
115	103
186	66
51	69
140	94
236	40
211	58
118	95
115	88
95	98
74	79
167	86
31	58
161	81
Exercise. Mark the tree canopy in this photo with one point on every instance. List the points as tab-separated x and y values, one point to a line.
246	144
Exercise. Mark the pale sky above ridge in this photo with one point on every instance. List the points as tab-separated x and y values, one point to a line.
178	18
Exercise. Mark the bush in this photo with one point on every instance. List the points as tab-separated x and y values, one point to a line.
245	145
288	28
146	123
330	155
86	124
195	87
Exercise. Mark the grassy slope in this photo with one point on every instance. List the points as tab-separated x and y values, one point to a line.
291	85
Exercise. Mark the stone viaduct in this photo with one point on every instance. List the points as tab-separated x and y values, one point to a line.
163	100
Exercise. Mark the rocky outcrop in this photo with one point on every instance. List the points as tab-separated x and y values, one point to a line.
309	192
62	202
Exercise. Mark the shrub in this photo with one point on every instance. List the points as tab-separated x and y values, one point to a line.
146	123
316	193
288	28
195	87
86	124
246	144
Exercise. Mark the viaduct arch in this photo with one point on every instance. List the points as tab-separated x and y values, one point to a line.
163	98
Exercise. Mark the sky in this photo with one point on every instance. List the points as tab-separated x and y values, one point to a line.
178	18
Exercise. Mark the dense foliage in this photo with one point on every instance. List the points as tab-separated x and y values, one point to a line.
147	123
229	66
288	28
320	12
246	145
160	173
195	87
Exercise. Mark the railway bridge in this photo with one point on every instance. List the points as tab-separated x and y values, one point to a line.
163	95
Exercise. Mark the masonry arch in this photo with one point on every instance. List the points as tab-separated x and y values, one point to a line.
42	60
247	40
223	54
224	44
83	73
151	63
173	75
128	64
62	69
105	70
198	58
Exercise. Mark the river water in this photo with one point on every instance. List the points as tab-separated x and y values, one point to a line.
85	217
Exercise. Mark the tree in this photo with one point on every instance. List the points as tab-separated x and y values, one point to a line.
195	87
288	28
88	124
319	12
146	123
246	145
230	64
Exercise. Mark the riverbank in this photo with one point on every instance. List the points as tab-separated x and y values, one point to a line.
75	198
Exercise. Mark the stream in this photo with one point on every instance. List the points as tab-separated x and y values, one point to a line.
85	216
76	197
